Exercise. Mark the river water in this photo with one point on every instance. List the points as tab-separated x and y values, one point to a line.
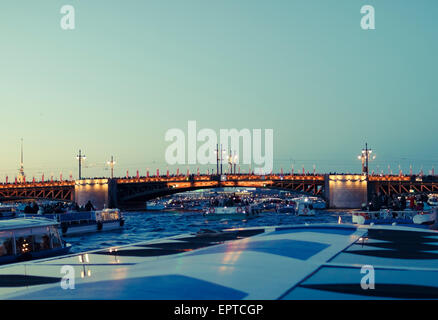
141	226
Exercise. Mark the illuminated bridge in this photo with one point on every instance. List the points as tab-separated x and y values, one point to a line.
340	191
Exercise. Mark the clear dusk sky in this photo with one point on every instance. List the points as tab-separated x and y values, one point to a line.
133	69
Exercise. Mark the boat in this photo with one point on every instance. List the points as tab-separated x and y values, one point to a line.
412	210
330	262
8	211
433	200
231	209
269	204
194	206
231	213
317	203
155	206
78	222
304	208
286	208
388	216
28	239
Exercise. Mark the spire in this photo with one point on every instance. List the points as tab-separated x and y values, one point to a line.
21	175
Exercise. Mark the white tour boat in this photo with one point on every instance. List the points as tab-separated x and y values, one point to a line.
8	211
304	208
388	216
28	239
231	213
76	222
433	200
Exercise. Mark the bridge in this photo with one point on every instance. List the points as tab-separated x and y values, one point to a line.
339	190
53	190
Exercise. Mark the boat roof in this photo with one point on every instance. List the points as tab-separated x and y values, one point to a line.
321	261
22	223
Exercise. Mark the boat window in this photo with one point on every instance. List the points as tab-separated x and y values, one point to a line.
56	239
6	248
41	242
110	215
24	244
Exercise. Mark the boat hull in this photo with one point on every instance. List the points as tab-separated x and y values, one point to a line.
231	213
90	228
229	216
155	208
286	210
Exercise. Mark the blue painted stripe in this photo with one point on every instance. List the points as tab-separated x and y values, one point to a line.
328	230
166	287
296	249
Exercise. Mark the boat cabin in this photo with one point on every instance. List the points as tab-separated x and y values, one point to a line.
26	239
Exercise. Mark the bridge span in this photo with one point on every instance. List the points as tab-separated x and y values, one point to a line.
339	190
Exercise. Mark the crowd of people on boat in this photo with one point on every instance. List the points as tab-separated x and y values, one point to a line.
231	201
58	207
397	203
31	208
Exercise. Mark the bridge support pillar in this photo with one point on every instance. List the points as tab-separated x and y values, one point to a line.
101	192
346	191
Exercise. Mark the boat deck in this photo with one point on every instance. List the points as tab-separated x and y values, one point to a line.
288	262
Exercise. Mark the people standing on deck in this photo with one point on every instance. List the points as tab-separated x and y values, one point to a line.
424	197
389	202
403	202
396	203
411	202
35	207
383	200
89	206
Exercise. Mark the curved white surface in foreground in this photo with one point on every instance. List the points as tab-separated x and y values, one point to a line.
295	262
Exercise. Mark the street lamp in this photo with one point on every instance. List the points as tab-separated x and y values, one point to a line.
223	155
236	158
111	164
80	157
365	157
219	160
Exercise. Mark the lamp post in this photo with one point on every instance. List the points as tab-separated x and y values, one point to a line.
236	158
219	160
80	157
365	157
223	153
111	164
230	162
21	175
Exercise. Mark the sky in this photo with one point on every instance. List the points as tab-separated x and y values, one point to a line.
131	70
